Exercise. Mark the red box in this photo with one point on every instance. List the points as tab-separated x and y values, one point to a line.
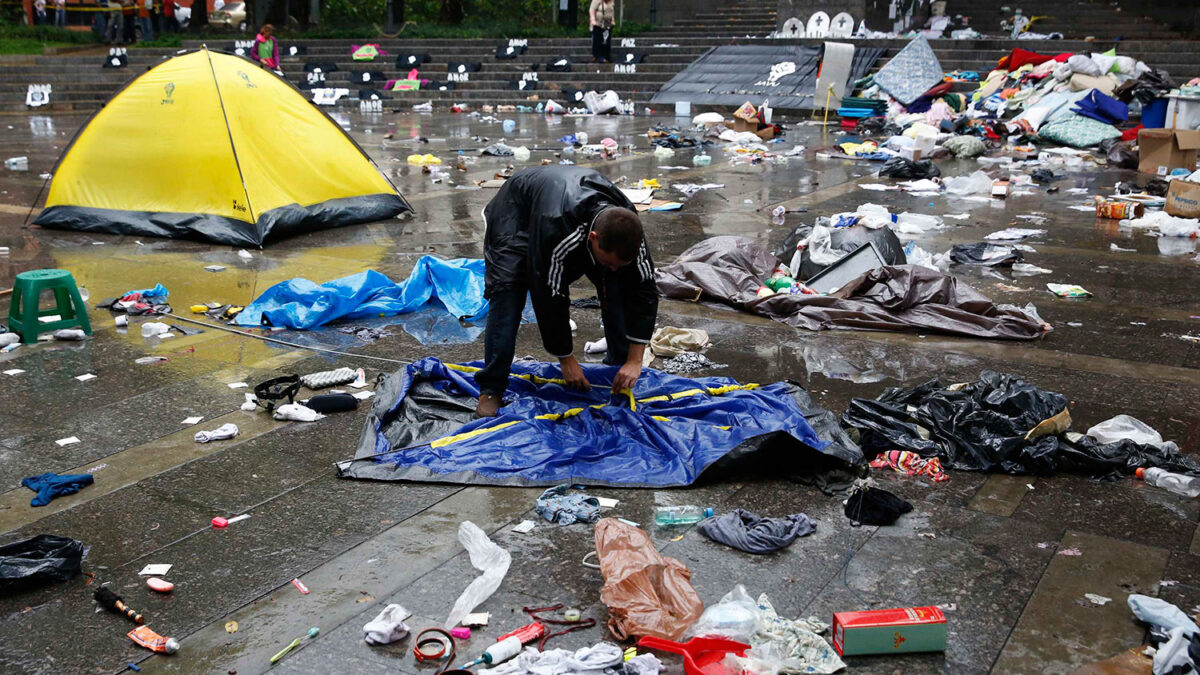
889	631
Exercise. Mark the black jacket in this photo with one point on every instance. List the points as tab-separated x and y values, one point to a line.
537	238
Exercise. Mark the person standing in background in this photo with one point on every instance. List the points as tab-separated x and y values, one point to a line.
39	12
145	21
602	15
170	25
266	48
114	31
60	13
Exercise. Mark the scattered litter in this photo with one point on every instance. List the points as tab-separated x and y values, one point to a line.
1115	248
524	527
14	371
238	385
85	377
244	254
1098	600
608	502
221	433
149	360
191	420
476	619
1070	552
231	626
155	569
70	440
388	626
222	523
214	268
1013	233
300	586
1069	291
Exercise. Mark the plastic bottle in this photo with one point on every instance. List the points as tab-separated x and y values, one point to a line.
497	653
680	515
509	126
1188	486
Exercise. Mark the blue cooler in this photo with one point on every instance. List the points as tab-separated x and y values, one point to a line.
1154	114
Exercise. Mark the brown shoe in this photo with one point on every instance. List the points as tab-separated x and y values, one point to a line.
489	405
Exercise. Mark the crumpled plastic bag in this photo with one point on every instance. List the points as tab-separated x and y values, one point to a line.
978	183
735	616
669	341
1126	427
486	557
646	593
38	561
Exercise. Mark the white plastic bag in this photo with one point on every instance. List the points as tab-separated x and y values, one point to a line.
1124	426
820	247
486	557
1158	612
978	183
736	616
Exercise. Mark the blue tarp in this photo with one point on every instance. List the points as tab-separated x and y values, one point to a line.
663	443
302	304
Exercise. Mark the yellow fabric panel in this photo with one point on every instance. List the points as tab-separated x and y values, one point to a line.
160	145
289	152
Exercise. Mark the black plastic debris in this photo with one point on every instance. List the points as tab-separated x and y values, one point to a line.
983	253
872	506
999	423
35	562
899	167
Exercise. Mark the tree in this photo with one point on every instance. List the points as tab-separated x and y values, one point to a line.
395	18
452	12
277	14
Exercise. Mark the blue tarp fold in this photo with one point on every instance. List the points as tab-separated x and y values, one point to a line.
419	429
302	304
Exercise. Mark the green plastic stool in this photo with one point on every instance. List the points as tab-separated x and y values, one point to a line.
24	315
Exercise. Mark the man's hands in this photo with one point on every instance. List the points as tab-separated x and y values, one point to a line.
573	374
629	373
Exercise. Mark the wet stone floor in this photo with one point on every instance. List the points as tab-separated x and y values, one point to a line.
990	549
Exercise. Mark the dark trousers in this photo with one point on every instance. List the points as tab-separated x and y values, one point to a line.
504	318
602	43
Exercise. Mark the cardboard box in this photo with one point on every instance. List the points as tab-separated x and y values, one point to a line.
1161	150
740	125
1183	199
889	631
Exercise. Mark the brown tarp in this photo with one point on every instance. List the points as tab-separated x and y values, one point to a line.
894	298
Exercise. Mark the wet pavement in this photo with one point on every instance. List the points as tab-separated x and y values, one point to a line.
986	547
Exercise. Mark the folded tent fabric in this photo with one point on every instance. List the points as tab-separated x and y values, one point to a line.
898	298
302	304
422	429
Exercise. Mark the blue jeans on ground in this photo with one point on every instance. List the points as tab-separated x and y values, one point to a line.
504	318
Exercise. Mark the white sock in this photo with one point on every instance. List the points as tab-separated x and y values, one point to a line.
294	412
221	433
388	627
598	347
251	403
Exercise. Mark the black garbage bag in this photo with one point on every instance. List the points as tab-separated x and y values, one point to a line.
1110	461
980	426
1157	187
872	506
1120	154
870	125
899	167
983	253
38	561
848	240
1149	86
1045	176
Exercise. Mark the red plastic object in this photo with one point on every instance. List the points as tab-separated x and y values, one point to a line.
701	655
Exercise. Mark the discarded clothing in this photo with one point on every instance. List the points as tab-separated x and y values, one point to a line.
37	561
991	255
965	147
294	412
901	298
388	626
688	362
872	506
910	463
302	305
558	506
752	533
221	433
601	658
1103	108
50	486
422	428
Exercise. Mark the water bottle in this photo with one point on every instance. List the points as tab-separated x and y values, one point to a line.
680	515
509	126
1188	486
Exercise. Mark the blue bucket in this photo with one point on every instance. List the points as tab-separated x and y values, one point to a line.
1154	115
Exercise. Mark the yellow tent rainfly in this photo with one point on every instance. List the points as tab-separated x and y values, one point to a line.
209	146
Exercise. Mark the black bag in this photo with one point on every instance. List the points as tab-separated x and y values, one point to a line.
899	167
409	61
38	561
332	403
560	64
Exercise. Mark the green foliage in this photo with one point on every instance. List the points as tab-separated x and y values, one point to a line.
46	34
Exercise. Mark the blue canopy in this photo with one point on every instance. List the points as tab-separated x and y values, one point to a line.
421	429
302	304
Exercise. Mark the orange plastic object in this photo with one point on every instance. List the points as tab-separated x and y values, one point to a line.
160	585
701	655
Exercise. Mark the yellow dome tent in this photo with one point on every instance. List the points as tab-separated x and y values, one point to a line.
210	146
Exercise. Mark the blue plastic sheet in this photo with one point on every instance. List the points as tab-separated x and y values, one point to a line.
661	444
158	293
302	304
